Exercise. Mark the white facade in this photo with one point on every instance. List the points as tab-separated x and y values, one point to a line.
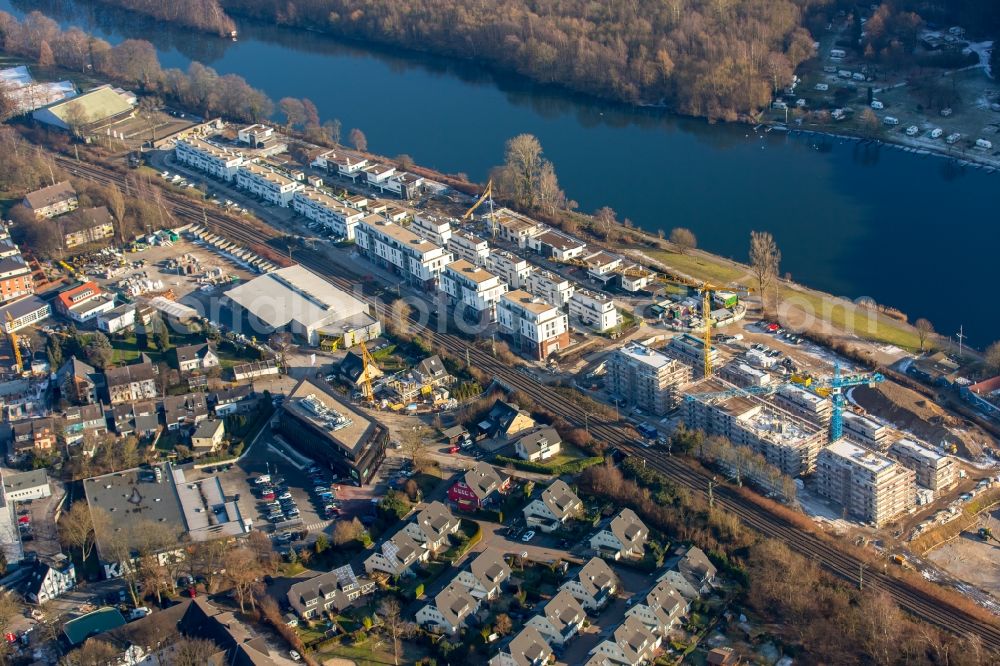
551	287
514	270
377	174
416	259
320	207
208	158
430	228
267	184
593	309
532	320
118	319
466	246
473	287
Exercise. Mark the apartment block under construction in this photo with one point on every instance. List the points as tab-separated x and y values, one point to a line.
870	486
934	470
786	441
647	378
867	431
803	403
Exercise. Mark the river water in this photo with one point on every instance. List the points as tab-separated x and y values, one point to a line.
916	232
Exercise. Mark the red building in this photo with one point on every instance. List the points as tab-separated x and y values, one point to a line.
480	487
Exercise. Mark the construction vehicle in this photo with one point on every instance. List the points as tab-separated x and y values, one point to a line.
487	195
986	534
15	343
901	561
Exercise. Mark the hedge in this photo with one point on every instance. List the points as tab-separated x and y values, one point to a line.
571	467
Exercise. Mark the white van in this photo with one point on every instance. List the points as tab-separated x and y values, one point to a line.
858	76
936	133
890	121
984	144
912	130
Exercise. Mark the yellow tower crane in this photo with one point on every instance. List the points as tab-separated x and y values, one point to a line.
366	380
487	195
15	343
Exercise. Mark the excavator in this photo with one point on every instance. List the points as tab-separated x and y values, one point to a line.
986	534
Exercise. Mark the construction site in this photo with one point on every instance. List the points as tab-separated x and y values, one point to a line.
974	555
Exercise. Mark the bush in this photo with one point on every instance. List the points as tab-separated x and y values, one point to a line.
418	591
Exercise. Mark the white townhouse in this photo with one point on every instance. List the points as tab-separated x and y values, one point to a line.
594	585
451	607
396	555
431	228
216	161
661	610
514	270
594	309
267	184
551	287
472	288
624	537
388	244
560	620
377	174
486	574
537	328
431	527
557	505
632	644
318	206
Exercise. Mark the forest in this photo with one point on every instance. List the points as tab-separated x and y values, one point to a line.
200	14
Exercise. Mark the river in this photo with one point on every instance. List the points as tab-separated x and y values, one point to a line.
915	232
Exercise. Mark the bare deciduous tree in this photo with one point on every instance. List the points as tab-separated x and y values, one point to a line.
192	651
925	329
76	529
765	257
683	239
358	139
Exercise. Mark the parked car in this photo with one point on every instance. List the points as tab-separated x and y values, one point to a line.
528	536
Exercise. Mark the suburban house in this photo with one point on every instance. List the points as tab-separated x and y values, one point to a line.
396	555
78	382
234	400
623	537
428	375
184	410
723	656
538	445
352	370
431	371
85	225
486	574
663	608
131	383
593	585
560	620
451	607
333	590
141	419
196	357
557	505
84	302
52	200
527	648
698	569
32	435
432	526
632	644
207	436
78	422
504	420
480	487
679	582
48	580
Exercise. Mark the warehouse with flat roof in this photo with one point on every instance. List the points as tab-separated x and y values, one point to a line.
308	306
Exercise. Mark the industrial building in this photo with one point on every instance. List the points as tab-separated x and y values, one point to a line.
786	441
537	328
216	161
593	308
646	378
868	485
934	470
308	305
324	427
23	312
417	260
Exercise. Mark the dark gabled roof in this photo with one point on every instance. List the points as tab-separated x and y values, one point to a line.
50	195
77	368
231	395
431	367
85	218
352	367
191	352
126	374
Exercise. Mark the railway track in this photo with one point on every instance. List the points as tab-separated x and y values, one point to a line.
834	559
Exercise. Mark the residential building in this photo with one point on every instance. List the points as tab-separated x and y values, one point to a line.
254	135
556	505
556	245
52	200
450	609
131	383
512	269
141	419
690	349
85	225
473	289
184	411
867	431
480	487
32	436
354	370
15	278
400	250
432	526
403	184
309	306
538	445
933	470
431	228
396	555
602	265
680	582
594	585
191	358
786	441
332	591
78	382
81	422
26	486
376	174
593	308
550	287
723	656
470	247
745	376
329	430
342	164
234	400
267	184
527	648
635	277
318	206
624	536
632	644
26	311
117	319
210	158
207	437
697	569
805	404
84	302
486	574
646	378
560	620
49	579
87	112
661	610
504	420
868	485
535	327
514	227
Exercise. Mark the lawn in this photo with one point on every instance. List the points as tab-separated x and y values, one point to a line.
378	654
127	350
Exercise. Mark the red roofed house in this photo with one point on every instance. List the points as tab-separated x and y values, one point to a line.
84	302
480	487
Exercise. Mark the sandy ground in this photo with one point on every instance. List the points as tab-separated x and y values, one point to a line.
971	559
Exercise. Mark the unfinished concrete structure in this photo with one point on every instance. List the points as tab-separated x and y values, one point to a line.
647	378
868	485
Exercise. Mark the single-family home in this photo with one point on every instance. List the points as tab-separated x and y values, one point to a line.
486	574
49	579
450	609
190	358
233	400
32	435
184	410
624	536
352	370
141	419
560	620
723	656
81	421
333	590
396	555
207	436
78	382
679	582
557	504
698	569
538	445
593	585
481	486
663	608
131	383
527	648
432	525
632	644
505	420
